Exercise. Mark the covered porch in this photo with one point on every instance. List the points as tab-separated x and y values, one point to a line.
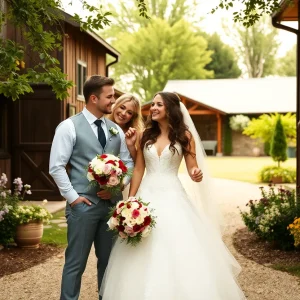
208	121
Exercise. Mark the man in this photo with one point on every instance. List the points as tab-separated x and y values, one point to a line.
76	142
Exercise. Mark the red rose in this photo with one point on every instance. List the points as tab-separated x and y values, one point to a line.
122	167
115	213
135	213
147	221
121	204
110	162
103	156
136	228
121	228
102	180
128	205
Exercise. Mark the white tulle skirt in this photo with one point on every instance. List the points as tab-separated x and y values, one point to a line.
182	259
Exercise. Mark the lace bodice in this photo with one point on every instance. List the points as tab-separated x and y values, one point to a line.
166	164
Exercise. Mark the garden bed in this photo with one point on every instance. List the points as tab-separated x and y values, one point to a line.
14	259
262	252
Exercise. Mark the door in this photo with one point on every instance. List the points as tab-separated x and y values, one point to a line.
35	117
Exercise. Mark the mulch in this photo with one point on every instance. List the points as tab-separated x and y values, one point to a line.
249	245
14	259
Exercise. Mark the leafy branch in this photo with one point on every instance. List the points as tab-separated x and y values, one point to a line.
39	24
252	10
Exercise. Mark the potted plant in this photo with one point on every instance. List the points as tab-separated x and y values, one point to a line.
24	222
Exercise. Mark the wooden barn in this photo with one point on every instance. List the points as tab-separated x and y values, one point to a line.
27	125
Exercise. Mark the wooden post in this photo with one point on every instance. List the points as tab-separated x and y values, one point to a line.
219	135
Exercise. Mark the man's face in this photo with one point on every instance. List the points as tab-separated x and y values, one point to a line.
105	100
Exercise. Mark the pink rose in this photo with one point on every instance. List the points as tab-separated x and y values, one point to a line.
122	235
135	213
113	181
128	230
106	169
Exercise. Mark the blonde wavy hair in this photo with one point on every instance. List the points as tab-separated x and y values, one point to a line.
136	120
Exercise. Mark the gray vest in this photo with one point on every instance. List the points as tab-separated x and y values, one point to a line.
85	149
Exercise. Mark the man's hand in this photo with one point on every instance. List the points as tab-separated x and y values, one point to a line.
104	195
80	199
196	175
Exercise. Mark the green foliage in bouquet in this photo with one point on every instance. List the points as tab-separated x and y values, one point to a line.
288	175
278	143
270	216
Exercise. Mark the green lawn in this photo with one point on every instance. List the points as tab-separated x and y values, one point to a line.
242	168
56	235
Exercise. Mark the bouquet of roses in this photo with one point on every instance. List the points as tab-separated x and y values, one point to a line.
132	220
108	171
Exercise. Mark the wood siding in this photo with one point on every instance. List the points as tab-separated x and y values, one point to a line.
80	46
35	117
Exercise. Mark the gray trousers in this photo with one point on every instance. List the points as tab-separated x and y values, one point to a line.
86	225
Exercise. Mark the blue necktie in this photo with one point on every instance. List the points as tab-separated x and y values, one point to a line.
101	134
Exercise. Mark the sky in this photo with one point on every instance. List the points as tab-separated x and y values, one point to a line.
210	22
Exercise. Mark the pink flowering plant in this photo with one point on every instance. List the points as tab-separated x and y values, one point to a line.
131	220
12	214
108	171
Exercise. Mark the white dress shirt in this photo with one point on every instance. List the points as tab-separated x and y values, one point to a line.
62	148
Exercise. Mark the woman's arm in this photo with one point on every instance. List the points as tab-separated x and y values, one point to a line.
131	142
191	162
138	172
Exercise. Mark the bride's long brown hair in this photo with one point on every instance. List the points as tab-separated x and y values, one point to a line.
178	131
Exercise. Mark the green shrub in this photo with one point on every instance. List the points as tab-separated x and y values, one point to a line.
278	143
267	173
270	216
227	139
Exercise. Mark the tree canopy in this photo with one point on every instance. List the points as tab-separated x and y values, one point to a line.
250	11
39	24
224	60
159	52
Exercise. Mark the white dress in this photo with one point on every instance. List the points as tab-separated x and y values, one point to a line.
183	258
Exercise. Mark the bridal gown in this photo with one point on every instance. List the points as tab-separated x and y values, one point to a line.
183	258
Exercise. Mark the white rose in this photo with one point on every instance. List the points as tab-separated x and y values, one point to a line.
146	232
127	214
90	176
94	162
139	220
134	205
111	223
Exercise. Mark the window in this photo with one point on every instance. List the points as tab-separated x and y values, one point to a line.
81	77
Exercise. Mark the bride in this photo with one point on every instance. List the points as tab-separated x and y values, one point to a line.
184	257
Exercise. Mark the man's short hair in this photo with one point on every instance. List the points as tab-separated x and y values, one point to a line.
94	84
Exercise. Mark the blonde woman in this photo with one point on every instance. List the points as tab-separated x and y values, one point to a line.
127	114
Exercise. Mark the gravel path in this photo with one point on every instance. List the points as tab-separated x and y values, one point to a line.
258	282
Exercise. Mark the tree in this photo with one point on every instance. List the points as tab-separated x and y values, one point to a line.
126	18
33	19
264	126
287	64
159	52
224	60
257	47
278	143
251	11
